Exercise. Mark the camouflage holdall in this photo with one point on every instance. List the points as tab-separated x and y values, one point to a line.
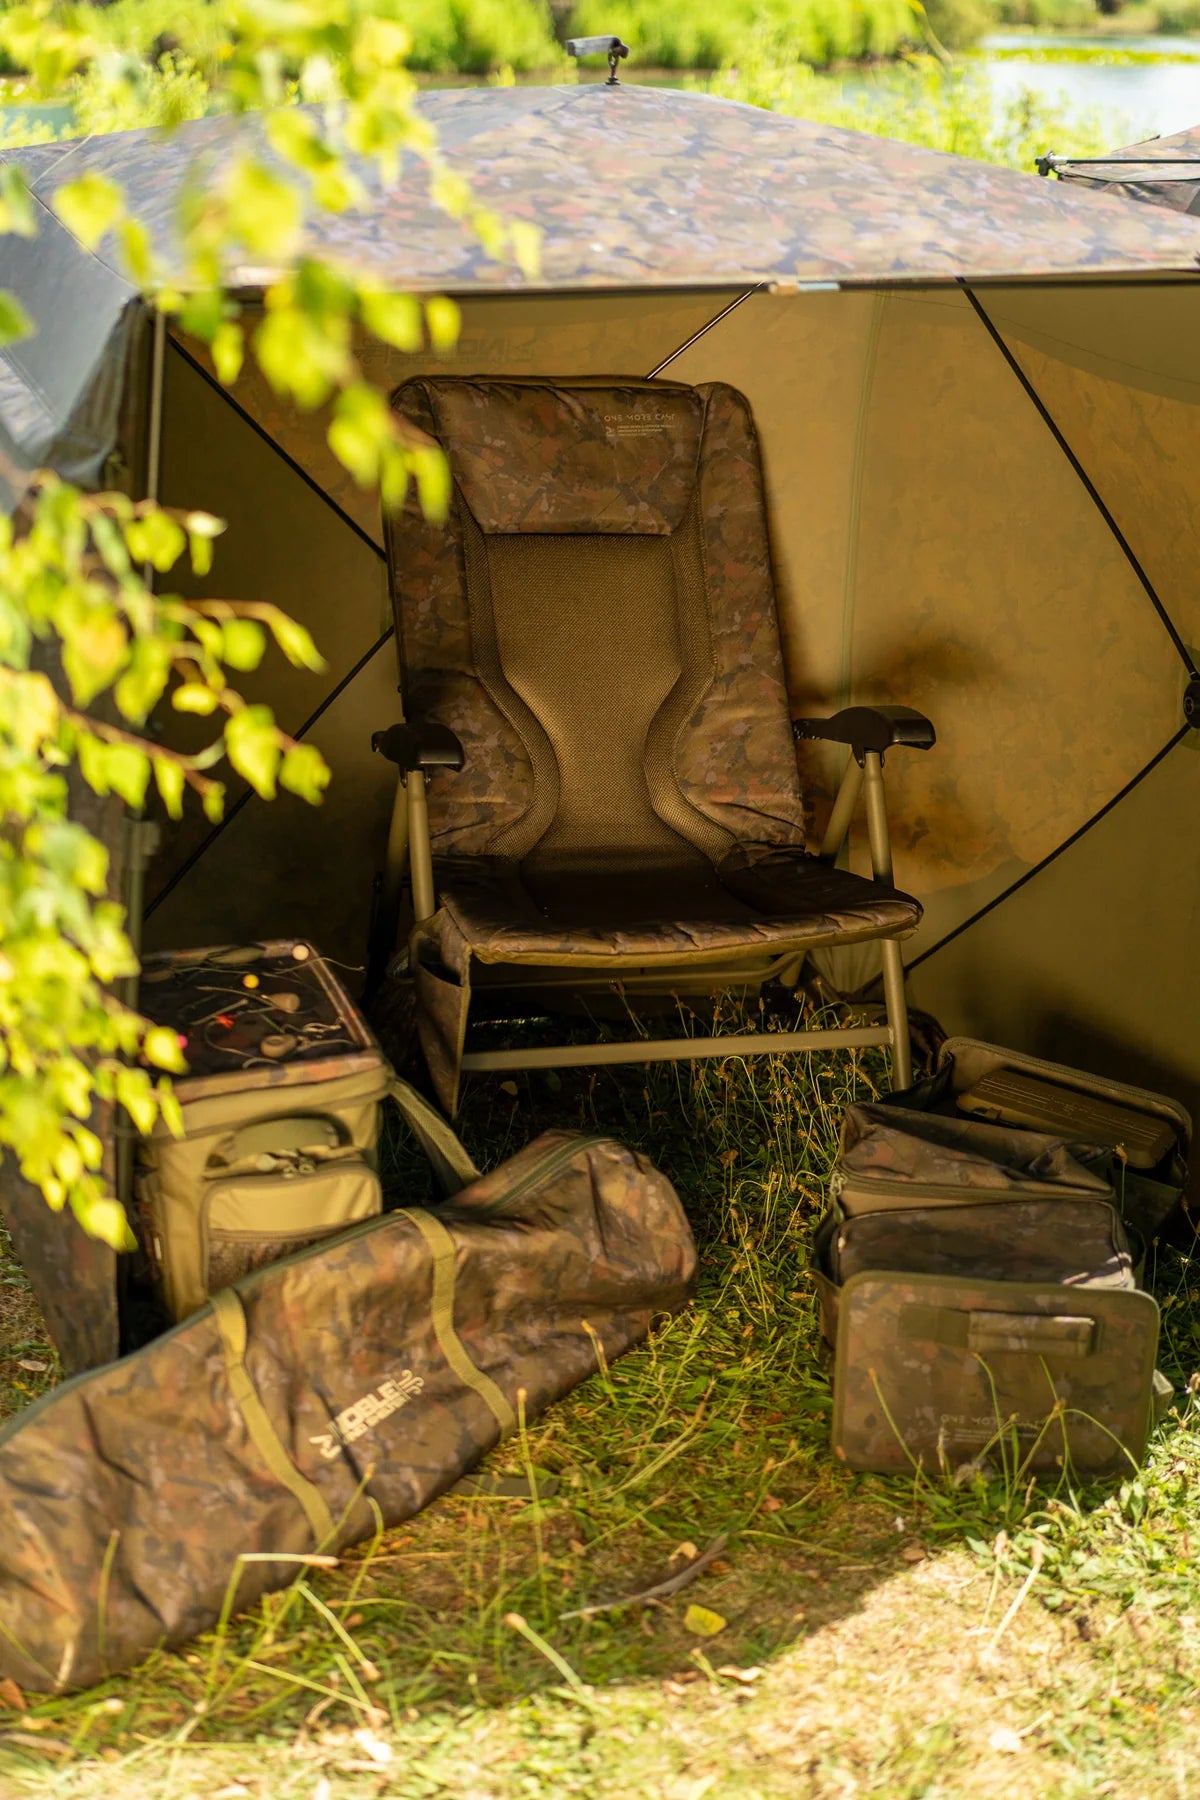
376	1368
979	1289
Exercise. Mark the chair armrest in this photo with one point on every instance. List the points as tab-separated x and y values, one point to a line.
870	728
413	747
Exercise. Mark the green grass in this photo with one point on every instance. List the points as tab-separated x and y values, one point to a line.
906	1639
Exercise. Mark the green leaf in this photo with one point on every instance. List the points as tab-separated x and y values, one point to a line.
144	681
301	355
28	710
701	1621
169	780
161	1047
442	320
128	771
228	347
15	322
17	211
253	748
89	207
201	313
263	210
393	318
134	1092
93	762
194	697
136	251
242	643
169	1108
202	528
295	642
103	1218
304	771
360	431
433	483
157	539
526	242
94	653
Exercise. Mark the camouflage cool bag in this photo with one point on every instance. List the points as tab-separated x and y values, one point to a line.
280	1116
979	1287
368	1373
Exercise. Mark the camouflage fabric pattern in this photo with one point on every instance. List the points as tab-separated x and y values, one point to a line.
735	760
439	677
640	186
596	457
1129	176
805	903
936	1370
888	1144
537	456
1066	1242
139	1485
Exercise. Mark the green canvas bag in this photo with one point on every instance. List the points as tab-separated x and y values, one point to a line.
278	1148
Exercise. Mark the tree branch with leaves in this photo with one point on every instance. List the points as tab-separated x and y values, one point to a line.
319	102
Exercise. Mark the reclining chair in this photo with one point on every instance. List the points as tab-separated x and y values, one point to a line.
598	773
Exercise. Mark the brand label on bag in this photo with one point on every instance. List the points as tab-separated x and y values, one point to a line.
361	1415
635	424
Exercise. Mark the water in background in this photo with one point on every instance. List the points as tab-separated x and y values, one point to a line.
1156	96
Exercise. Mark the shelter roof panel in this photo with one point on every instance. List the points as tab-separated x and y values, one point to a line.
641	187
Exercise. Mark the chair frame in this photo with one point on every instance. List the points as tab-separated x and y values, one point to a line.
867	731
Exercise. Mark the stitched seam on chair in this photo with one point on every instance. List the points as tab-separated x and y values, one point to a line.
698	670
518	838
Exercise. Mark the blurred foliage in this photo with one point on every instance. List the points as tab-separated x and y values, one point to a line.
708	34
88	647
921	101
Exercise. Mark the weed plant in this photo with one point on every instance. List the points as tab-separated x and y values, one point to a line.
445	1658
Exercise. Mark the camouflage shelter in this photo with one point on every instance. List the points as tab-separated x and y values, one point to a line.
1162	171
978	400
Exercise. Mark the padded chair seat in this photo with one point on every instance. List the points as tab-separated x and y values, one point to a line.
587	918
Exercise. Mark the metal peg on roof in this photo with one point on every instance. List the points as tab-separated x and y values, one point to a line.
612	47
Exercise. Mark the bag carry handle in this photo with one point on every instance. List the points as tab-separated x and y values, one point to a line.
1002	1333
231	1324
451	1164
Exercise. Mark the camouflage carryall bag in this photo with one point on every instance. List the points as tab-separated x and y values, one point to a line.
357	1380
977	1279
280	1116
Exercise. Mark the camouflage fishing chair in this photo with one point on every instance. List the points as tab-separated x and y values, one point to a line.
593	691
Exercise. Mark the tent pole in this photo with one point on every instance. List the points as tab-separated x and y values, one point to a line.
141	837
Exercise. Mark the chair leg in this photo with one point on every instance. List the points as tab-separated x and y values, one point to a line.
893	962
897	1013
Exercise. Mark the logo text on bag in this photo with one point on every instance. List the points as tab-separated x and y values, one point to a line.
370	1410
634	424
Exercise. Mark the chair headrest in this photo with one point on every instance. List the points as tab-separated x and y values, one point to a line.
540	456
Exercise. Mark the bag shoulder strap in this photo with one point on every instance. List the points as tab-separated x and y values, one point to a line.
451	1164
231	1323
441	1245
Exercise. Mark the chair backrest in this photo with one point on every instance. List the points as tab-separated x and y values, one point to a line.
596	620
